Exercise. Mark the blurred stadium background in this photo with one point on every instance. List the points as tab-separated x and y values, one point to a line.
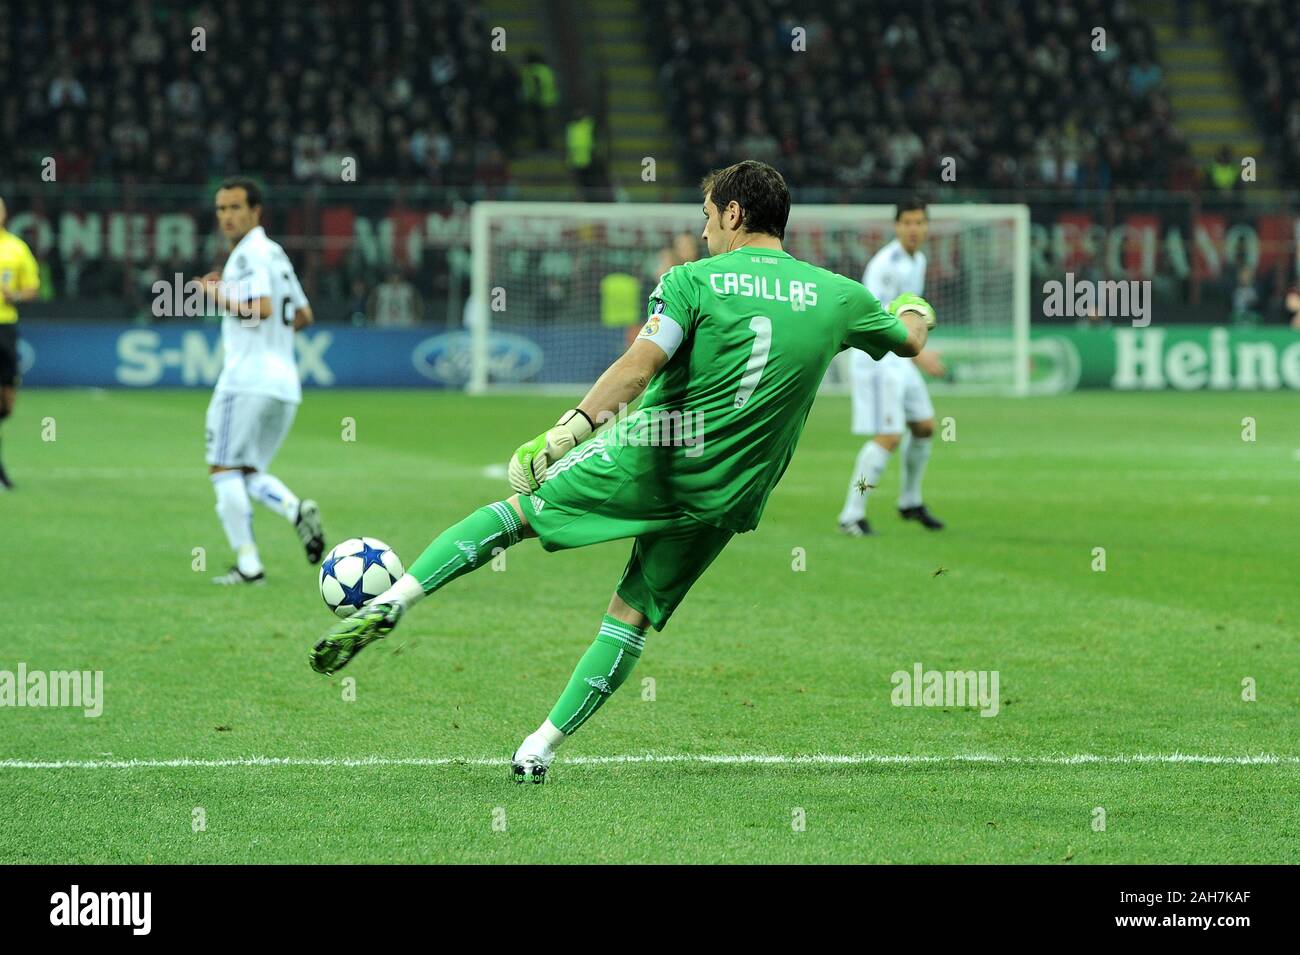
1152	141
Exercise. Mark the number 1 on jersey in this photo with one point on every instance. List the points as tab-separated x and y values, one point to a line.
761	326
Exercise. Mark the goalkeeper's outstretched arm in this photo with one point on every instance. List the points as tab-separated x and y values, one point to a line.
623	381
618	387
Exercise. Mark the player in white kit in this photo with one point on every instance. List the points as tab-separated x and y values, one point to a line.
889	395
258	391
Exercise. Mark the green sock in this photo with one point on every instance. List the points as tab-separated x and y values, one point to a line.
600	672
465	546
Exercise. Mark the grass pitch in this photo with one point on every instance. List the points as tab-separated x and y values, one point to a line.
1146	658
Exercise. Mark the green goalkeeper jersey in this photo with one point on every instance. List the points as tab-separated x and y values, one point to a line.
750	334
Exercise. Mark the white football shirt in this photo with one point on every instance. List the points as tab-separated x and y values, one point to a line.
259	356
889	274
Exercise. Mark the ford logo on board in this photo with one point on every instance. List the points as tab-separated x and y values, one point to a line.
447	358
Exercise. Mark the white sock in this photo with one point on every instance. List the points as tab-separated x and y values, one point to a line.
236	513
868	468
544	741
406	591
270	490
915	457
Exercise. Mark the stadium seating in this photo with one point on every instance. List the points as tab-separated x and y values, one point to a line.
1263	41
130	91
880	94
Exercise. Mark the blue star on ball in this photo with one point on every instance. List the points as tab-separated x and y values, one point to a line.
371	557
354	596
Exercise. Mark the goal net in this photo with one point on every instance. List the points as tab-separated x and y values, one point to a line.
558	290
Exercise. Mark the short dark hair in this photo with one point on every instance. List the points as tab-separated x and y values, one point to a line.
758	189
251	189
910	204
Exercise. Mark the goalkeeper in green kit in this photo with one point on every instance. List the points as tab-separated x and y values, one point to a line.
730	360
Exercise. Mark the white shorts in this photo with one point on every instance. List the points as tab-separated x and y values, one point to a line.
887	394
245	431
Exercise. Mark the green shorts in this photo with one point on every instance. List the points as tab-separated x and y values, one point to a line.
588	499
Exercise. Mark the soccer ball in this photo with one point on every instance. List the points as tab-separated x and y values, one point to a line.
356	572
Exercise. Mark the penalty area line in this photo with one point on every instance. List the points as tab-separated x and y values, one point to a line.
725	759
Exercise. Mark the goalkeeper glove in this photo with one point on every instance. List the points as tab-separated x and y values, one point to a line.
911	302
528	465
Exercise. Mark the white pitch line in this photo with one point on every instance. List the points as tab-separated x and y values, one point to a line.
813	759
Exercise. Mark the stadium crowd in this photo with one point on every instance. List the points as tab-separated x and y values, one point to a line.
135	91
1020	95
1263	41
126	90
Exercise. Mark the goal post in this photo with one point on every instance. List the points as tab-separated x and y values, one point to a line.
558	288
